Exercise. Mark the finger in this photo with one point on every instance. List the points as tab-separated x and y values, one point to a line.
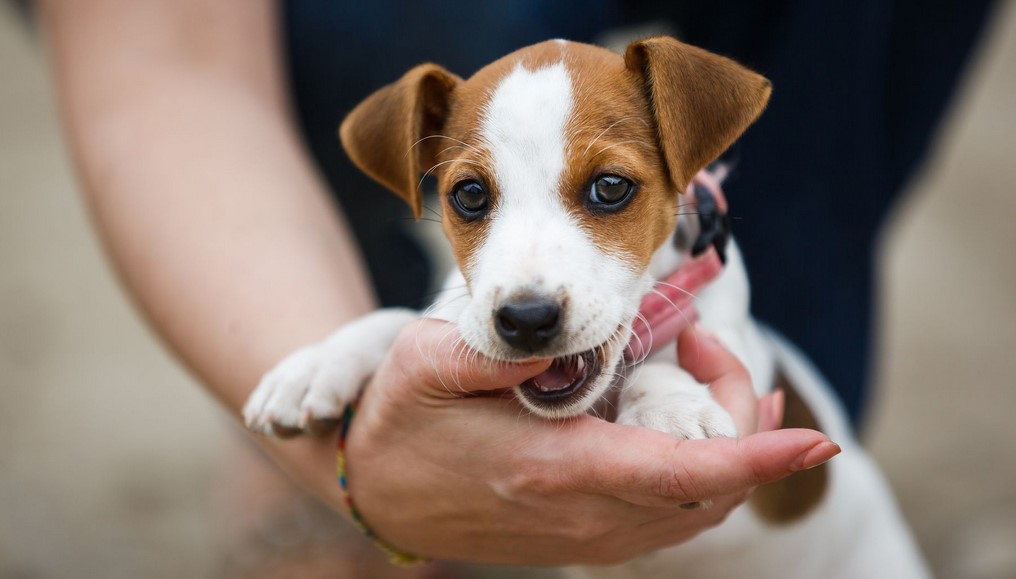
705	358
653	469
770	411
432	354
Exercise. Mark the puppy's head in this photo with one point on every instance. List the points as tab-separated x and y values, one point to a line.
559	168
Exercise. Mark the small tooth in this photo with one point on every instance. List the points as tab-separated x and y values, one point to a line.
581	363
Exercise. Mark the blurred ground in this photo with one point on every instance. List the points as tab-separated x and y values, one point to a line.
108	451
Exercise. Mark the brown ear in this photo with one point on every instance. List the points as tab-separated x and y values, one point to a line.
386	135
702	102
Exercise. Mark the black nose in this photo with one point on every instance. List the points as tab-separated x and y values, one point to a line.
528	324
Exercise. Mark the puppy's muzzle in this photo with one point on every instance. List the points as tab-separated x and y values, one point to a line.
529	323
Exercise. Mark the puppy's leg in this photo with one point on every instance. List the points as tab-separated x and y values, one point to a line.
309	389
666	398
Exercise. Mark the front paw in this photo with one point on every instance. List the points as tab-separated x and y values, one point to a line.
667	399
309	390
306	392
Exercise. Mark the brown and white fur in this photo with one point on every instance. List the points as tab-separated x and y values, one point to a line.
536	130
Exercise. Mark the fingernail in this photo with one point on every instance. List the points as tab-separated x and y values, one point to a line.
815	455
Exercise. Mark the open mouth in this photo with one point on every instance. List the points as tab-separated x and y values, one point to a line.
566	377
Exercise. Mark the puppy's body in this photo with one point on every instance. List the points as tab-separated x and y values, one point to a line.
560	168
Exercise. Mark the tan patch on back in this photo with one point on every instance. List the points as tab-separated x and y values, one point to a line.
788	500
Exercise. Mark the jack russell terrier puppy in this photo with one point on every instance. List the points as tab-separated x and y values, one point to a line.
562	170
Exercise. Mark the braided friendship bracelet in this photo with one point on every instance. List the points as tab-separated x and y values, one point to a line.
395	556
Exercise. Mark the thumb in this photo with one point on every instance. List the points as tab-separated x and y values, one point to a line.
432	354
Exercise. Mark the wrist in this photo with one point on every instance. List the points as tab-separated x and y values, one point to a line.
395	555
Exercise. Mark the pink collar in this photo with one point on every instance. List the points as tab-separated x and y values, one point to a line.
670	307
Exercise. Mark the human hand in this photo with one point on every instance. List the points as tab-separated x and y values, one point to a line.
442	466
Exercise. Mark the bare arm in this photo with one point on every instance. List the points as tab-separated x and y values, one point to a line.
179	126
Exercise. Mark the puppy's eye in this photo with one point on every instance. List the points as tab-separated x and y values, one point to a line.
470	199
610	191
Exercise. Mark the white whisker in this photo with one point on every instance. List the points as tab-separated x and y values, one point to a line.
419	184
614	145
612	125
462	143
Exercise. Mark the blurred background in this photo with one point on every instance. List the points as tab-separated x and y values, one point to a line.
110	455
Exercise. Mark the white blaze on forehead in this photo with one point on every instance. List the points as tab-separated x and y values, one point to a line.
524	130
524	126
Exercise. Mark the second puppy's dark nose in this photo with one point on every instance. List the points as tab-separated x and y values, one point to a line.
528	324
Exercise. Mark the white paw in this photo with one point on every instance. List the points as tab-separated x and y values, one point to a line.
309	390
305	392
667	399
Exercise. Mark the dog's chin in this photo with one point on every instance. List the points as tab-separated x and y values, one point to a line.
570	385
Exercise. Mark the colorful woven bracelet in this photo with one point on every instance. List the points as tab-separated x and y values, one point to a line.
395	556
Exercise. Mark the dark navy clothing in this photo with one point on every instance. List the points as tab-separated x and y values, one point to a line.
859	88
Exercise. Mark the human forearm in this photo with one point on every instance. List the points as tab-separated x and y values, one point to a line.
206	203
220	233
201	193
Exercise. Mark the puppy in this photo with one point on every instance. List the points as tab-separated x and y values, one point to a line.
562	170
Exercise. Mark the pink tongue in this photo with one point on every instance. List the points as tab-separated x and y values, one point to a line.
560	375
